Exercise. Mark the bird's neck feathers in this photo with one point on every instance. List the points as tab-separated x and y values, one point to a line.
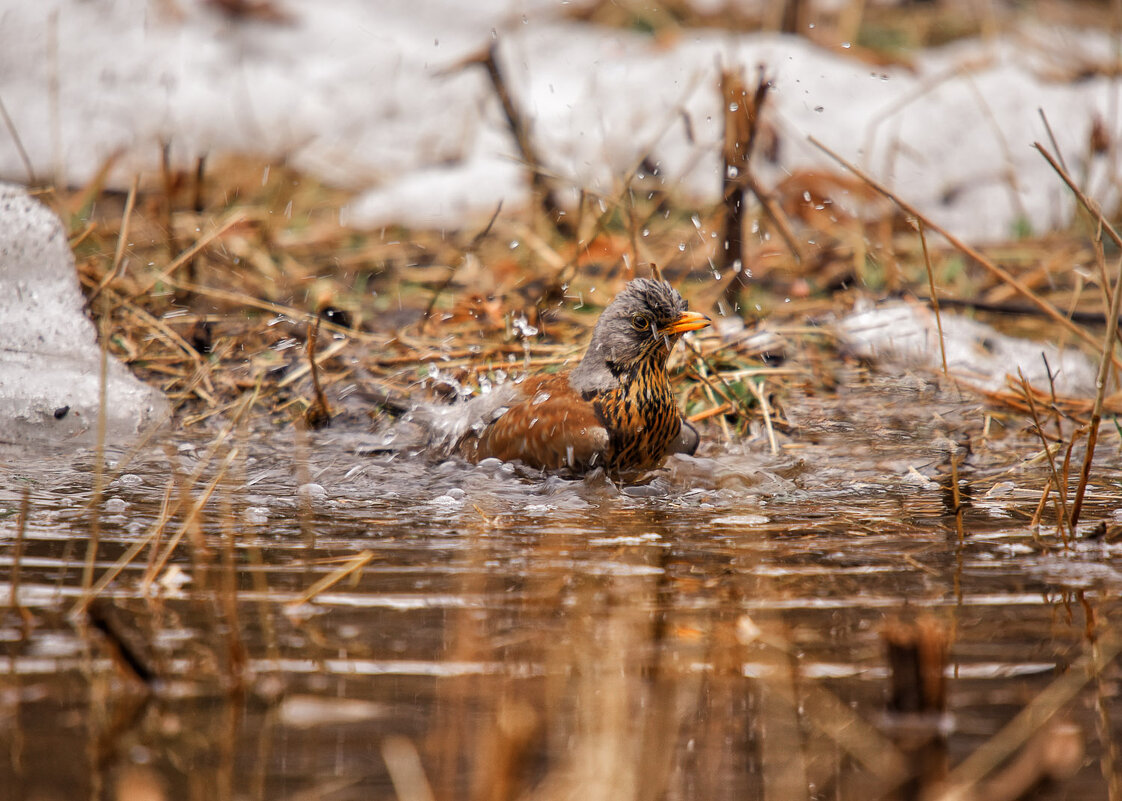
594	374
598	372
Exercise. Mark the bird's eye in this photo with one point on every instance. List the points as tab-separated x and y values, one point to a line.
640	322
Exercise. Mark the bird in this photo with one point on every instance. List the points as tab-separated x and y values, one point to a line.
614	410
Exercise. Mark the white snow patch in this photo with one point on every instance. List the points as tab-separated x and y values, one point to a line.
906	333
372	96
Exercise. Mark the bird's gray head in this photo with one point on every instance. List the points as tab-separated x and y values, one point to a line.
643	323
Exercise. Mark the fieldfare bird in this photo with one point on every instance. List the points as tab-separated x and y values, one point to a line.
614	410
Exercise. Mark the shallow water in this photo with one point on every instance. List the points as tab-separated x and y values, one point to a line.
715	632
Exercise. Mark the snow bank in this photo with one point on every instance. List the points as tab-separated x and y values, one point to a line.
50	363
363	94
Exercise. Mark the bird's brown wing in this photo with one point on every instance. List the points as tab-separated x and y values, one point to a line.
550	426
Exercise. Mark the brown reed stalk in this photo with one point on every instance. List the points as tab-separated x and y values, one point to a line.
1106	361
1061	488
741	117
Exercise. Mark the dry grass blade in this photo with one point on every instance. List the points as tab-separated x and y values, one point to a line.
934	297
352	565
154	531
122	239
188	521
185	257
990	266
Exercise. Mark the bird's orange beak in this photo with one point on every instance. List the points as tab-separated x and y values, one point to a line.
688	321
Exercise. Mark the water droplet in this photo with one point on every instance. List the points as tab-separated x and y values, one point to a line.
681	247
522	325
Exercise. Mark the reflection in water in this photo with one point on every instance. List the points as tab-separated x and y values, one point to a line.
384	627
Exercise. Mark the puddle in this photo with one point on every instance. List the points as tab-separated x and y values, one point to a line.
718	636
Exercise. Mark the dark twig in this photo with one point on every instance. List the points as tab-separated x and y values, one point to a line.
169	203
742	123
539	178
318	413
1052	137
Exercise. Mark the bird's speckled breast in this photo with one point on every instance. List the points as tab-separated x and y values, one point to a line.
641	418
